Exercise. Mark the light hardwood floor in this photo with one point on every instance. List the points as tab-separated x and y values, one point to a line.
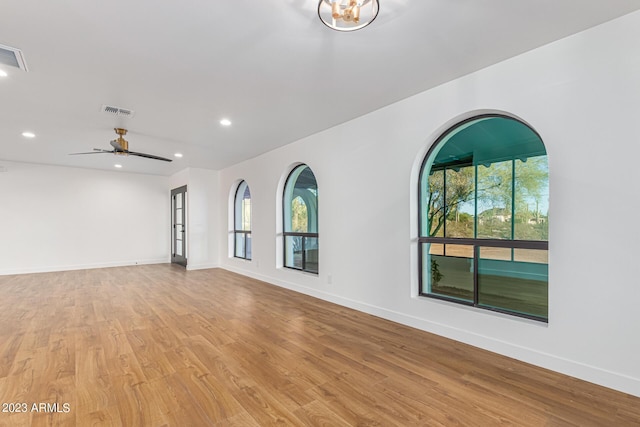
158	346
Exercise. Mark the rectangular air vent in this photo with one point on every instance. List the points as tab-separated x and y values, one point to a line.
117	111
12	57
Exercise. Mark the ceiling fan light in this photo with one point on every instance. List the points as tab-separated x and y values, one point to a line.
347	15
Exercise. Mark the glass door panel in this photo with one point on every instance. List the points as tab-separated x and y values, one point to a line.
178	226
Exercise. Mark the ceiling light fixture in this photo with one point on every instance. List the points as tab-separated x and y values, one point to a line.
225	122
347	15
28	134
117	166
178	155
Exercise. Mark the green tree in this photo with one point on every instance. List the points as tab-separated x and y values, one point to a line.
495	197
299	216
459	188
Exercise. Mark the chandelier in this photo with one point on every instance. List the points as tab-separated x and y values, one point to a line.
347	15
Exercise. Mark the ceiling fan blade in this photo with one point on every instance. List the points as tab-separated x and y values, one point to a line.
148	156
95	151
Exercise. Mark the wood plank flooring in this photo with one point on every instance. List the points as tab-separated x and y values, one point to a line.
158	346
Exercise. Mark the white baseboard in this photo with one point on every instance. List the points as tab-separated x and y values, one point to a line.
593	374
202	266
50	269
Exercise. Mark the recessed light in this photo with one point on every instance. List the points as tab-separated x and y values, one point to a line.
3	73
117	166
225	122
28	134
178	155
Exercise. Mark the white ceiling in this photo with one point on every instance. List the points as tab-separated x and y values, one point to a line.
270	66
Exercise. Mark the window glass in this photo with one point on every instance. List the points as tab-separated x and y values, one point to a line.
242	221
300	214
301	201
494	192
435	203
515	285
484	201
460	207
243	207
240	248
452	275
532	199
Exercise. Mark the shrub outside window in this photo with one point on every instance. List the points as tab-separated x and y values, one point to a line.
242	222
484	201
300	209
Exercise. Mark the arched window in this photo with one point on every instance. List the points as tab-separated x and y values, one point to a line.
484	201
242	222
300	208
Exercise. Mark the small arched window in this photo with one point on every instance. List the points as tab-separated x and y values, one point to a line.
242	222
300	208
484	201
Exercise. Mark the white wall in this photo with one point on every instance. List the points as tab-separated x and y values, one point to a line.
203	216
59	218
582	94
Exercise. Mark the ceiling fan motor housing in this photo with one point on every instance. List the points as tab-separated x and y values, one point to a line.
124	144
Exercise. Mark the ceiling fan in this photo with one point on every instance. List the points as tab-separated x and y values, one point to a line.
121	148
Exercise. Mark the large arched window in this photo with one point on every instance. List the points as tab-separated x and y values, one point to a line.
484	201
242	222
300	208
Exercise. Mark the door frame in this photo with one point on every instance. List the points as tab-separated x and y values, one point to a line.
179	259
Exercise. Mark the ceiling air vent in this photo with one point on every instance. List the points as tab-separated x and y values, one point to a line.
117	111
12	57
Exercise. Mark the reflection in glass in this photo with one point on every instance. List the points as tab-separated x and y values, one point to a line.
494	200
435	204
532	198
248	247
301	201
460	204
299	215
311	254
293	252
538	256
449	276
178	247
516	286
242	218
178	216
240	245
178	200
436	248
461	251
503	254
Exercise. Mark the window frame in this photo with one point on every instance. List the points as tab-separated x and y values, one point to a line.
303	235
246	234
475	242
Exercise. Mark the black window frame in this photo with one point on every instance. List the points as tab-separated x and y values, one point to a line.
475	242
239	231
303	235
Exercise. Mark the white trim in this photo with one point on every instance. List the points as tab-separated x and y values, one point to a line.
191	267
51	269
